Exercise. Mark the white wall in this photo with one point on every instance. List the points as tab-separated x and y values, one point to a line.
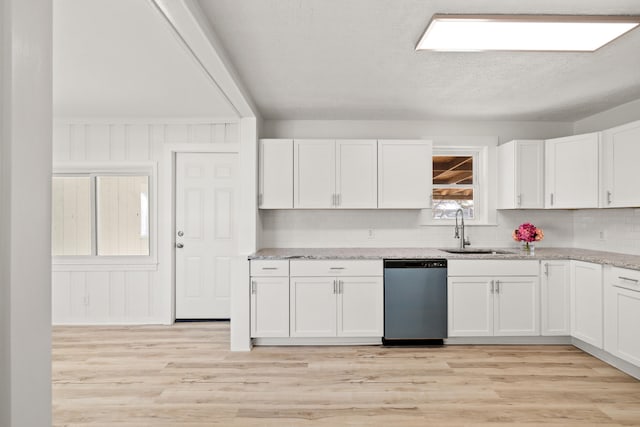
619	115
25	219
401	228
615	230
128	293
378	129
322	228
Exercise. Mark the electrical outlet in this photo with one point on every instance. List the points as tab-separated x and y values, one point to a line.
371	233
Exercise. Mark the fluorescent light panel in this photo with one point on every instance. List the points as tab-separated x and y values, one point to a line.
471	33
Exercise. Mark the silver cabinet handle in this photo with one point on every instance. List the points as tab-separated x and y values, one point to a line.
497	286
253	286
340	287
519	199
179	245
546	269
335	287
269	268
608	197
493	286
551	199
336	268
628	279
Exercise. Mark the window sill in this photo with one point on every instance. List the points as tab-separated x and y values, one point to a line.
427	220
92	265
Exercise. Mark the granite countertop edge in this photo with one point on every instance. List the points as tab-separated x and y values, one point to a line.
598	257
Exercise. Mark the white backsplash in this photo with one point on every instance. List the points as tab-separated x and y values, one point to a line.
614	230
401	228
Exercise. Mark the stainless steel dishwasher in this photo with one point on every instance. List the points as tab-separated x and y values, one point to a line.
415	301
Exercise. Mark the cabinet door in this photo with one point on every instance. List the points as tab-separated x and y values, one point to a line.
470	306
313	306
572	165
622	314
621	152
516	306
529	174
314	165
357	174
521	175
269	306
404	174
586	302
360	307
555	298
276	174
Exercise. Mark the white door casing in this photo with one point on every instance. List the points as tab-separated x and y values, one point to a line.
206	233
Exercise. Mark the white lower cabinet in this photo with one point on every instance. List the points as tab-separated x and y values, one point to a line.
313	307
493	305
555	294
269	298
470	307
622	314
269	307
360	307
586	302
330	303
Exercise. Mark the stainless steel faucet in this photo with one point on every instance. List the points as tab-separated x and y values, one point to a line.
459	233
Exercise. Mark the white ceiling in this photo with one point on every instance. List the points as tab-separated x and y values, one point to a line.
355	59
118	58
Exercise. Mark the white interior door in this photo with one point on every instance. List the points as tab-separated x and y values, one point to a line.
206	233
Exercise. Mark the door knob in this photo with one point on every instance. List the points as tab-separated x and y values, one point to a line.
180	234
179	245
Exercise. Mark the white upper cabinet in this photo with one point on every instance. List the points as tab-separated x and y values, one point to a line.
521	175
404	174
276	174
335	174
572	171
621	150
356	174
314	165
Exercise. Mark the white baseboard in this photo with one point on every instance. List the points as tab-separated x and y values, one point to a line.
609	358
317	341
532	340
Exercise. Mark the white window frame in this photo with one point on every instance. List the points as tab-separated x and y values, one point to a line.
483	204
110	263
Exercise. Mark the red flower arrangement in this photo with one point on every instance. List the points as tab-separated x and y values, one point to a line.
528	232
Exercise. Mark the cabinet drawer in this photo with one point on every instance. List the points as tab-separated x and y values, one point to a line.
336	268
277	268
627	279
492	267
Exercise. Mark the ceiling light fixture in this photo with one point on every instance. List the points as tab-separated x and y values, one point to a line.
476	33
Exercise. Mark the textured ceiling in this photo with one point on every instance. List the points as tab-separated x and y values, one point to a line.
118	58
355	59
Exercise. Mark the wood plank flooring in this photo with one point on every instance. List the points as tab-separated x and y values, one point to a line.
184	375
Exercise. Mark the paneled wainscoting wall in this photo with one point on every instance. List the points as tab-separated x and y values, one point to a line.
87	292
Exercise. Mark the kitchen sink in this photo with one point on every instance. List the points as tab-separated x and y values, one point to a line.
476	251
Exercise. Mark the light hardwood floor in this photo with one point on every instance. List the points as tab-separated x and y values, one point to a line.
184	375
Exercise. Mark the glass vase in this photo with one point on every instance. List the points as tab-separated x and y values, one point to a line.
528	248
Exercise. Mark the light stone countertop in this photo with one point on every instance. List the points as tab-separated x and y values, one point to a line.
598	257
